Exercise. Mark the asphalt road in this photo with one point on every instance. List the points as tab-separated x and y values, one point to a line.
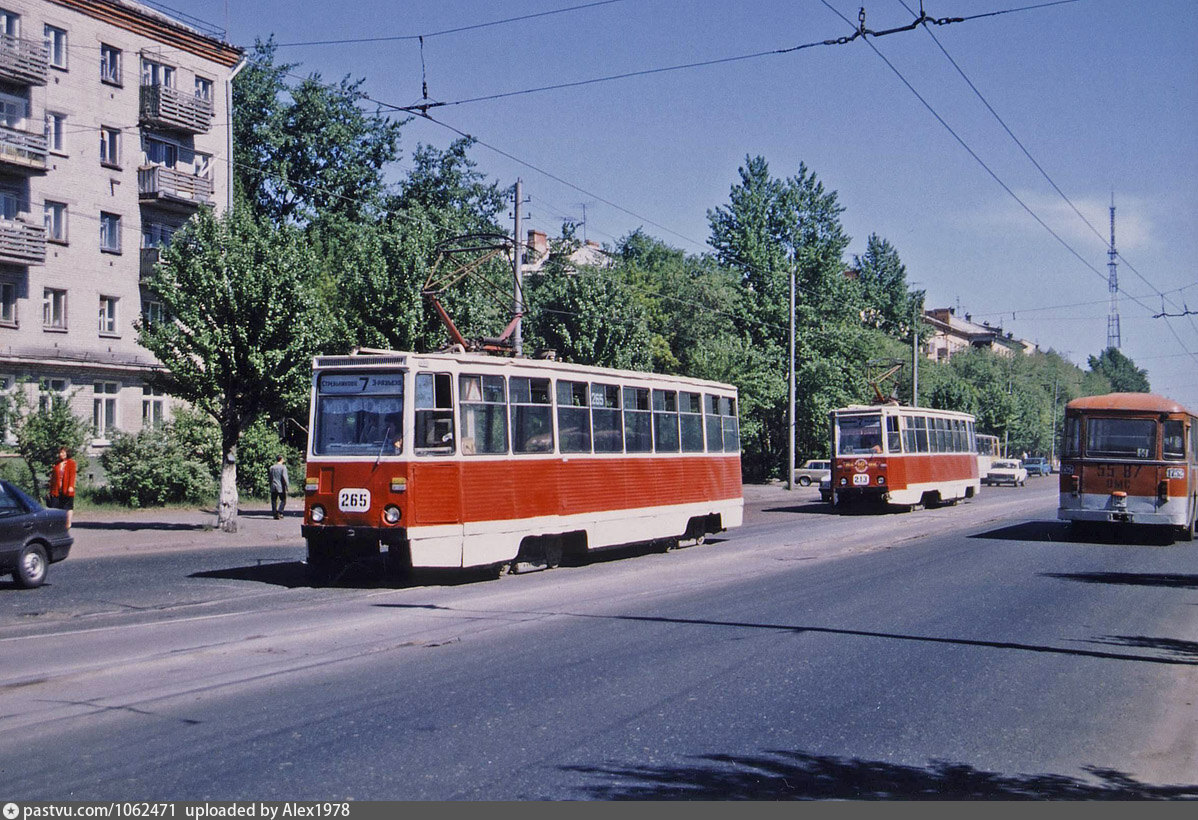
979	651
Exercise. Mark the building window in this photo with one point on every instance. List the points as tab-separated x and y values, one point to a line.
160	152
56	45
203	165
110	146
10	204
56	221
51	392
110	64
152	311
155	73
54	309
204	89
110	232
8	303
10	24
104	408
153	406
108	320
56	129
13	110
156	235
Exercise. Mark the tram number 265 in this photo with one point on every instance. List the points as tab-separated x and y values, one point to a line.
353	499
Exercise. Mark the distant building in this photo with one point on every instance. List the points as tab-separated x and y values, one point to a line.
952	334
537	254
115	131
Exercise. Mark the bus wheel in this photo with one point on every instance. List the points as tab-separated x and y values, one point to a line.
1186	533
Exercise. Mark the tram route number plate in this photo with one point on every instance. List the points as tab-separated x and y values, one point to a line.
860	480
353	499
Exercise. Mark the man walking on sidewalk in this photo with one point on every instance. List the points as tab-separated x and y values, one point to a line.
278	487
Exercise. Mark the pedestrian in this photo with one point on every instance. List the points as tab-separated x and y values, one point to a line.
278	487
62	484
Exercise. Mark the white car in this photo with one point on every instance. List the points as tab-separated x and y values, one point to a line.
813	471
1006	471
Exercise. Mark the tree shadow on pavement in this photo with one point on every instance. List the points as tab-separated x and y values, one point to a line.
1182	649
371	574
135	526
1145	579
780	775
1064	533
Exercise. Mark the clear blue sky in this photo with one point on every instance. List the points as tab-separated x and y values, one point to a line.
1102	93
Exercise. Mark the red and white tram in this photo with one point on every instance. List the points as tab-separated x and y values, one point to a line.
466	460
1130	458
905	456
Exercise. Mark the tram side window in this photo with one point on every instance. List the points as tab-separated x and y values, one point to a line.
532	416
921	434
606	418
573	417
691	422
1071	445
638	426
484	414
1174	439
971	432
665	421
957	436
715	428
894	441
434	413
731	428
908	425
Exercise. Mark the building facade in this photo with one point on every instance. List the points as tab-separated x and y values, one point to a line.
115	130
951	334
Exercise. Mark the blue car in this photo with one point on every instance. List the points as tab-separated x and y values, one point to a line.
31	537
1037	465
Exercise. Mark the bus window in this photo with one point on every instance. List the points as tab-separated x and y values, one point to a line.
1174	439
532	416
691	420
638	426
1121	438
434	413
484	414
605	416
1071	444
715	430
731	429
573	417
665	421
894	441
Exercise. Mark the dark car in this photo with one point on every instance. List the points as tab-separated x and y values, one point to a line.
31	537
1037	465
825	489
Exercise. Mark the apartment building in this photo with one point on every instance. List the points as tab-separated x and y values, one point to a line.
114	131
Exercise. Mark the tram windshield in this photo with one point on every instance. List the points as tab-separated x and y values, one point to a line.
857	435
359	414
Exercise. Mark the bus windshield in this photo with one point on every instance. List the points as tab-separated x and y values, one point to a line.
858	434
1121	438
359	414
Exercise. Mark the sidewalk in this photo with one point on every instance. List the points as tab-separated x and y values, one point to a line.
157	529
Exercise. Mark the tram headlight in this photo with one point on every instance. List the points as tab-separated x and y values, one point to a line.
881	479
843	481
317	513
391	514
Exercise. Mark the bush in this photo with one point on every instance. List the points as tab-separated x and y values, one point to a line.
259	447
153	468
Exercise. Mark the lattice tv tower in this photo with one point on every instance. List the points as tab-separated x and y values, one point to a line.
1112	319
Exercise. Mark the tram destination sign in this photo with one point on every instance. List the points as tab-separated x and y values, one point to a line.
346	384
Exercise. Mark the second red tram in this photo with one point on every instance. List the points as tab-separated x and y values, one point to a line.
903	455
465	460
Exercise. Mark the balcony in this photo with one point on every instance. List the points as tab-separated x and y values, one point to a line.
172	190
167	108
22	151
22	243
25	62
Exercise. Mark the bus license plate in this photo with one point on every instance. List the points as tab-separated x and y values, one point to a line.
353	499
860	480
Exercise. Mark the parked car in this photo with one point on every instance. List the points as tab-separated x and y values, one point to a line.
31	537
813	470
1037	465
1006	471
825	488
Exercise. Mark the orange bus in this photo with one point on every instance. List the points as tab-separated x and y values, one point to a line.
903	455
459	460
1129	458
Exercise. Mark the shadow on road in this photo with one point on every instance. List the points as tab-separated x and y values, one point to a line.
1063	532
781	775
1141	579
811	508
134	526
1187	650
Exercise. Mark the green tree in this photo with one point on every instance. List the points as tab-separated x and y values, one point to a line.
1120	371
41	430
243	326
889	304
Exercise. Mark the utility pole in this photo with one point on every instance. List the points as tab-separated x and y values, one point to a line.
790	470
518	273
1052	458
915	358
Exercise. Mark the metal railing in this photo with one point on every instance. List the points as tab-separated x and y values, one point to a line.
23	148
169	108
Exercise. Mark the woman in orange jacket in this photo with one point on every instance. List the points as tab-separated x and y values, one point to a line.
62	484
